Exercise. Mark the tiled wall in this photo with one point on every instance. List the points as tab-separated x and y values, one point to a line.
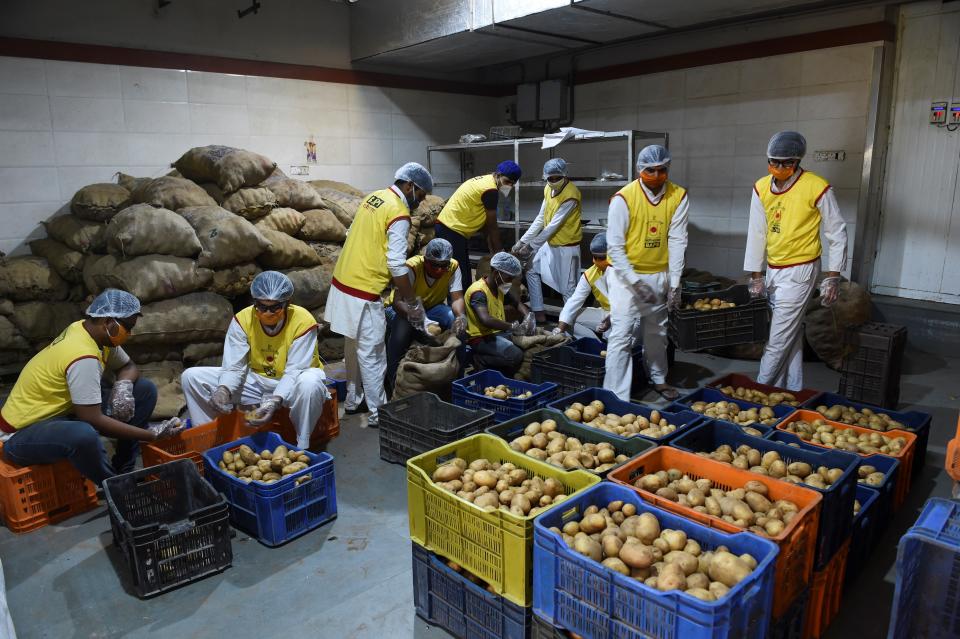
64	125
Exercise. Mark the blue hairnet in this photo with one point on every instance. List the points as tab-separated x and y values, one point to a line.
114	303
438	250
554	166
787	145
416	173
598	245
271	285
510	169
653	155
505	263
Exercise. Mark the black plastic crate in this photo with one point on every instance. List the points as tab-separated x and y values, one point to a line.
543	629
574	370
747	322
422	422
873	361
171	524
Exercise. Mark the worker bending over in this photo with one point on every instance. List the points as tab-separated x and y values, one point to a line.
646	242
486	321
374	255
592	320
61	405
472	207
434	276
553	240
269	360
787	210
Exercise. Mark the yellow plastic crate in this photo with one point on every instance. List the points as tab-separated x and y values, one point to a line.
496	546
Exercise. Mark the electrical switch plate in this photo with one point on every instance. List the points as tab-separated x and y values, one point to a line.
300	170
938	113
955	112
829	156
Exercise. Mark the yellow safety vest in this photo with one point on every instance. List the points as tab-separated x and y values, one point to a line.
431	295
570	232
593	274
494	307
646	241
268	353
41	391
793	219
464	212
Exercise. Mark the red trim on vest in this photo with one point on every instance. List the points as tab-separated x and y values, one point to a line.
6	426
354	292
397	219
77	360
770	184
309	328
816	202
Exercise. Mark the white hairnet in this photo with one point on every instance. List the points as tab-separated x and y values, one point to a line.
114	303
653	155
598	245
787	145
554	166
416	173
271	285
506	263
438	250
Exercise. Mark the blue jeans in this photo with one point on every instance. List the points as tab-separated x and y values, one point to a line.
400	334
499	353
65	437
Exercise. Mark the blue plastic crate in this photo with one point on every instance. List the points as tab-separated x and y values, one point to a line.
682	419
915	422
713	395
864	537
340	385
836	515
276	513
790	624
926	602
443	597
577	593
468	392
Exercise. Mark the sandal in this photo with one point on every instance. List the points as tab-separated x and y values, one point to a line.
669	393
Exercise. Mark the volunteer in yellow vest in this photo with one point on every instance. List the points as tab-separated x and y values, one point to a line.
486	323
269	360
472	207
788	210
373	256
592	320
646	242
60	405
435	275
553	240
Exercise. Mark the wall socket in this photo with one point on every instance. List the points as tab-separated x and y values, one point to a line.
829	156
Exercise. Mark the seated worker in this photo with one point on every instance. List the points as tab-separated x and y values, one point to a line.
433	275
590	321
486	323
270	359
57	409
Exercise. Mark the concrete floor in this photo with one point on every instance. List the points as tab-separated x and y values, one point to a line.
351	578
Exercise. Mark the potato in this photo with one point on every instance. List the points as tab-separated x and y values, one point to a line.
593	523
636	555
671	577
447	472
648	528
611	545
686	561
227	457
485	478
488	500
700	593
676	539
728	569
697	580
588	548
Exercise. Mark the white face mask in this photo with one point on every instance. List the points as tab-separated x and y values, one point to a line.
505	286
556	188
505	189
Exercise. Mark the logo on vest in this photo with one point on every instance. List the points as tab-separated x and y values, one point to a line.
375	201
653	237
777	214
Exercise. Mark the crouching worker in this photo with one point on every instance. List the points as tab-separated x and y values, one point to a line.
486	324
61	405
589	321
270	360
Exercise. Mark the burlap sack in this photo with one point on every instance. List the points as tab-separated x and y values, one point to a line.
196	317
11	339
100	202
142	229
131	183
542	338
329	252
148	277
323	327
825	326
214	360
428	368
310	285
343	187
172	193
6	307
24	279
42	321
234	281
225	238
166	376
152	353
343	205
286	252
429	210
331	348
80	235
193	353
230	168
321	225
251	203
65	261
291	193
213	191
285	220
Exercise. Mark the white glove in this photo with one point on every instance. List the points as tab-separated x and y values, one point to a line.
673	299
757	288
644	292
829	290
222	401
416	313
121	400
264	413
529	326
460	324
516	328
556	331
167	428
603	326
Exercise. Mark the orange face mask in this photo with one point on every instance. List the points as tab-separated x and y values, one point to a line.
654	181
782	173
270	318
121	337
601	264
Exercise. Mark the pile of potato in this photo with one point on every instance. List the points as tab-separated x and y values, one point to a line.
635	546
704	304
759	397
503	391
265	467
469	576
626	425
856	507
870	476
770	464
731	412
746	507
495	485
542	440
820	432
865	417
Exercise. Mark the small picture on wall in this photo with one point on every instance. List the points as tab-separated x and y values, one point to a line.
311	146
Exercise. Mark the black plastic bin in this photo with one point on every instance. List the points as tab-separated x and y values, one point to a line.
422	422
872	363
747	322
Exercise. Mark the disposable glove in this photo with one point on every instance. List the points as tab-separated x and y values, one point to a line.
603	326
829	290
529	326
556	331
673	299
121	400
416	313
460	324
166	428
222	401
516	328
644	292
757	288
264	413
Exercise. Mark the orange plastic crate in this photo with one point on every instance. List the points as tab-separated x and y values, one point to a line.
328	426
825	595
191	443
797	541
953	455
905	456
33	496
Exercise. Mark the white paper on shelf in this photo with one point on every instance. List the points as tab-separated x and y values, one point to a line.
565	133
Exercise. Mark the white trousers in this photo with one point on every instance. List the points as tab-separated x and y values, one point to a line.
306	398
556	266
789	290
6	621
625	312
365	360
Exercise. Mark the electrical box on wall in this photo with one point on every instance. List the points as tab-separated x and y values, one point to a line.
554	99
938	112
528	103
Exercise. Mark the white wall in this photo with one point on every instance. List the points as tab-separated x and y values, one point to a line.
64	125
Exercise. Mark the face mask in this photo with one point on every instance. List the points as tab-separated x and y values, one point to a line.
505	189
653	182
412	200
122	334
601	263
504	287
556	187
782	173
271	318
